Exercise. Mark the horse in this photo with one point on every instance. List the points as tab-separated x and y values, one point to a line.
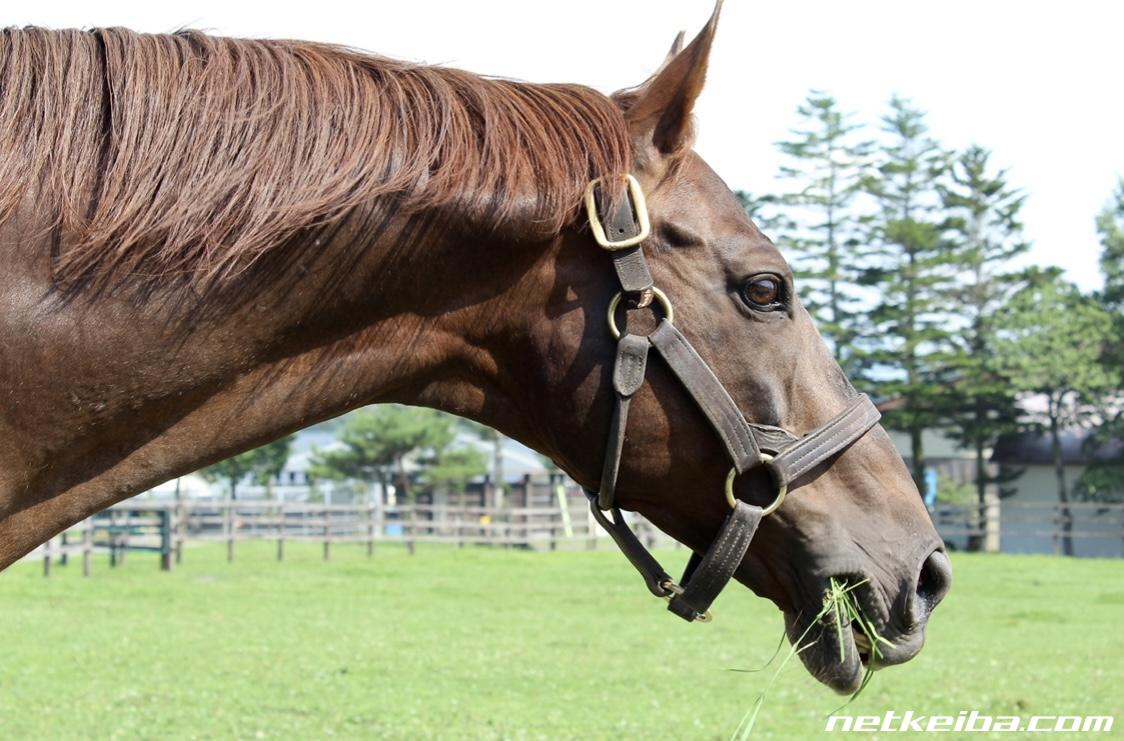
209	243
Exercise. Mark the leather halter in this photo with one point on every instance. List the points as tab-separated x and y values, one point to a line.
786	457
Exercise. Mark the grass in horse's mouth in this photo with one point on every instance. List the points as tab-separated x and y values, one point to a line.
840	602
840	610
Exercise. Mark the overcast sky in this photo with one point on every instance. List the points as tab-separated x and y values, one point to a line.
1038	83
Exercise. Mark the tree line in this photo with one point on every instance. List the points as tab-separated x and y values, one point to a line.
401	448
907	256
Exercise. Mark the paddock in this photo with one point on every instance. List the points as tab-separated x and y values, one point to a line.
511	643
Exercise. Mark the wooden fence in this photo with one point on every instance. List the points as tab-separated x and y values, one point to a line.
1096	529
162	527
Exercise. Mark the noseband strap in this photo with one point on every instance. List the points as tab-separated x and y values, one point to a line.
787	458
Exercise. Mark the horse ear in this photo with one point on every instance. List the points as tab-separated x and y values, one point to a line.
660	110
676	47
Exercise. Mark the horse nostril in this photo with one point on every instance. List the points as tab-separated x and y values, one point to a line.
934	580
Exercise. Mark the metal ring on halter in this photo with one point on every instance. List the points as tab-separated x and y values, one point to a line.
639	207
733	474
664	301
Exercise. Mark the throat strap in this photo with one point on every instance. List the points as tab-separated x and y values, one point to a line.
704	578
655	578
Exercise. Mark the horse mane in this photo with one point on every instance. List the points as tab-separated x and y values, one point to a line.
194	154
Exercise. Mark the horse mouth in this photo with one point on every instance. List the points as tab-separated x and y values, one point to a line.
834	650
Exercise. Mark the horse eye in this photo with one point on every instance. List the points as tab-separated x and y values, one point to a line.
762	291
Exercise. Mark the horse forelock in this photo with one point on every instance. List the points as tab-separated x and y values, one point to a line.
194	154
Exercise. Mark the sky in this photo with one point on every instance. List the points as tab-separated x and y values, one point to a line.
1038	83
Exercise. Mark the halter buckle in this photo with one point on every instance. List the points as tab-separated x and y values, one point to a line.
673	590
639	207
782	490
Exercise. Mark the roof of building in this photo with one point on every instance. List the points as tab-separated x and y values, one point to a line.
1032	448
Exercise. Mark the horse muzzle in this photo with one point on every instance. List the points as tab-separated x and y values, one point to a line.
838	649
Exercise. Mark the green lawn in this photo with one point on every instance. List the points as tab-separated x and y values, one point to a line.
482	643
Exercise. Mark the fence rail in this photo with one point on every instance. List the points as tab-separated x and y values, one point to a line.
162	527
1094	528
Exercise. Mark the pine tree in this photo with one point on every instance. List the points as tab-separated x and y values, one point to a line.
1103	480
983	235
376	443
1050	346
1110	226
911	275
262	464
763	211
824	172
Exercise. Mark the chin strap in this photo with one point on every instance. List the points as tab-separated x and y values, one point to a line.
786	457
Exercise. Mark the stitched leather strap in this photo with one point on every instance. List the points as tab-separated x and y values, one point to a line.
710	395
628	376
632	270
706	577
802	456
644	562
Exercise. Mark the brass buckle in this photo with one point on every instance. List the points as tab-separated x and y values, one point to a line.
661	297
733	474
639	207
675	589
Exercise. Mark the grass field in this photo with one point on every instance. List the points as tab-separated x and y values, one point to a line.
484	643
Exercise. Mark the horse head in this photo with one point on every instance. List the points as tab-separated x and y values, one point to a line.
854	516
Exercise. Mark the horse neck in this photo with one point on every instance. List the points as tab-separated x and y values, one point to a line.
132	393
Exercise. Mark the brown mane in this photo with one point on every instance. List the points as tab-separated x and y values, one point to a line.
195	154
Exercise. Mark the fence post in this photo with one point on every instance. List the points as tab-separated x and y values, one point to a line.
127	518
526	521
1054	525
458	518
281	531
408	528
327	533
556	505
87	546
181	529
228	525
113	535
166	538
370	529
47	556
380	515
992	532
